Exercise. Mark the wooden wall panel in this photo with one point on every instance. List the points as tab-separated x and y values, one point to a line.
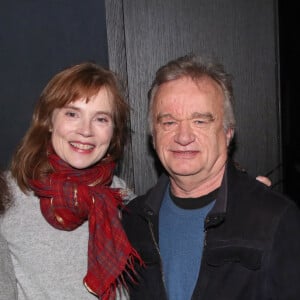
241	33
118	63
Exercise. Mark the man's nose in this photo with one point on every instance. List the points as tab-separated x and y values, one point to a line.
185	134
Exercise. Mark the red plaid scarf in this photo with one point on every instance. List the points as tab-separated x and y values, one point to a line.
71	196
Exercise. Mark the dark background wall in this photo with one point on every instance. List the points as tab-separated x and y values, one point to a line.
37	40
290	103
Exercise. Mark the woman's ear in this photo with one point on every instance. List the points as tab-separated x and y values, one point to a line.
50	125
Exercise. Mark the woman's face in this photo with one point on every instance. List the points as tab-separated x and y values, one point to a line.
82	131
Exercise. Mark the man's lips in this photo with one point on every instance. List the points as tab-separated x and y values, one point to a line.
185	153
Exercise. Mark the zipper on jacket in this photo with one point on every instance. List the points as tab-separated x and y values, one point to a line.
157	249
201	264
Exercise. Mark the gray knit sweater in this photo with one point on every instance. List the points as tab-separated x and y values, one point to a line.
49	263
8	287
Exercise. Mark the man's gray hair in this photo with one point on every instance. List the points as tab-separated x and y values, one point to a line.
195	67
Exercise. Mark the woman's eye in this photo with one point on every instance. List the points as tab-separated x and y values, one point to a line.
102	120
71	114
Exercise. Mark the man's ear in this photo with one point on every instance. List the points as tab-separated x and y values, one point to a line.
229	135
153	141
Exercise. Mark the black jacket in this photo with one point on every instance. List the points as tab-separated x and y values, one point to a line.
251	249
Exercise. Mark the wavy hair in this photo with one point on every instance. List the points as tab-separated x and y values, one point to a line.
76	82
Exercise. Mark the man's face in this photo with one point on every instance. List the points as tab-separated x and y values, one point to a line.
188	133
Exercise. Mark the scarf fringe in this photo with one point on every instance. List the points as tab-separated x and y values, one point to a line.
120	282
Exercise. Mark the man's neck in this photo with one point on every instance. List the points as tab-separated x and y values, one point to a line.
193	186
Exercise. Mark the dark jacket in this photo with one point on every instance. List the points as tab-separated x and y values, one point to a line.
251	249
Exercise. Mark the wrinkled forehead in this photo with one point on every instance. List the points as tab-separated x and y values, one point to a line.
184	97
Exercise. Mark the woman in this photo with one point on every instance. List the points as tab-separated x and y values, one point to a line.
8	288
62	176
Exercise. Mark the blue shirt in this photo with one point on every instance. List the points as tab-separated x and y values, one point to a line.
181	235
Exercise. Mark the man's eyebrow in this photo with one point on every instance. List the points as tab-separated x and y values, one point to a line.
161	116
208	116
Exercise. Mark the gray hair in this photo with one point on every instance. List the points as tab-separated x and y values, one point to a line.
195	67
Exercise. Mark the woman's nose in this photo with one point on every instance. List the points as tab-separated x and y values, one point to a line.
85	128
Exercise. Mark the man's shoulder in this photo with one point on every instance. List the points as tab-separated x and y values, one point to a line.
152	196
145	206
136	205
251	195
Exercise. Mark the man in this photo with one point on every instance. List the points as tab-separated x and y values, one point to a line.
207	230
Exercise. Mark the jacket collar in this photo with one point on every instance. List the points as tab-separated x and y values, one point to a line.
154	197
217	215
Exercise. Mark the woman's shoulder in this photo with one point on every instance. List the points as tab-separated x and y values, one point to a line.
14	188
8	285
127	193
21	204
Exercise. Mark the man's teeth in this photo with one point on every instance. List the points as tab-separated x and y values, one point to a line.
82	146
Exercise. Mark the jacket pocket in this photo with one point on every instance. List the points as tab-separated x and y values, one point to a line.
250	258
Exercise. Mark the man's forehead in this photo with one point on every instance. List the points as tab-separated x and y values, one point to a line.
186	103
184	108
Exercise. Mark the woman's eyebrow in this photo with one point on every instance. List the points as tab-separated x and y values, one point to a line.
103	112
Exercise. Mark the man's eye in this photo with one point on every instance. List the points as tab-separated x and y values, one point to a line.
200	123
168	125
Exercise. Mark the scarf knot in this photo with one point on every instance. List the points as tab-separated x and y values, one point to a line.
69	197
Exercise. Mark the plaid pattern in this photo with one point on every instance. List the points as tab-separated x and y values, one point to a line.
71	196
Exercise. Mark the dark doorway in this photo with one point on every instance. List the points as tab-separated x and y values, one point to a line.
289	30
37	40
